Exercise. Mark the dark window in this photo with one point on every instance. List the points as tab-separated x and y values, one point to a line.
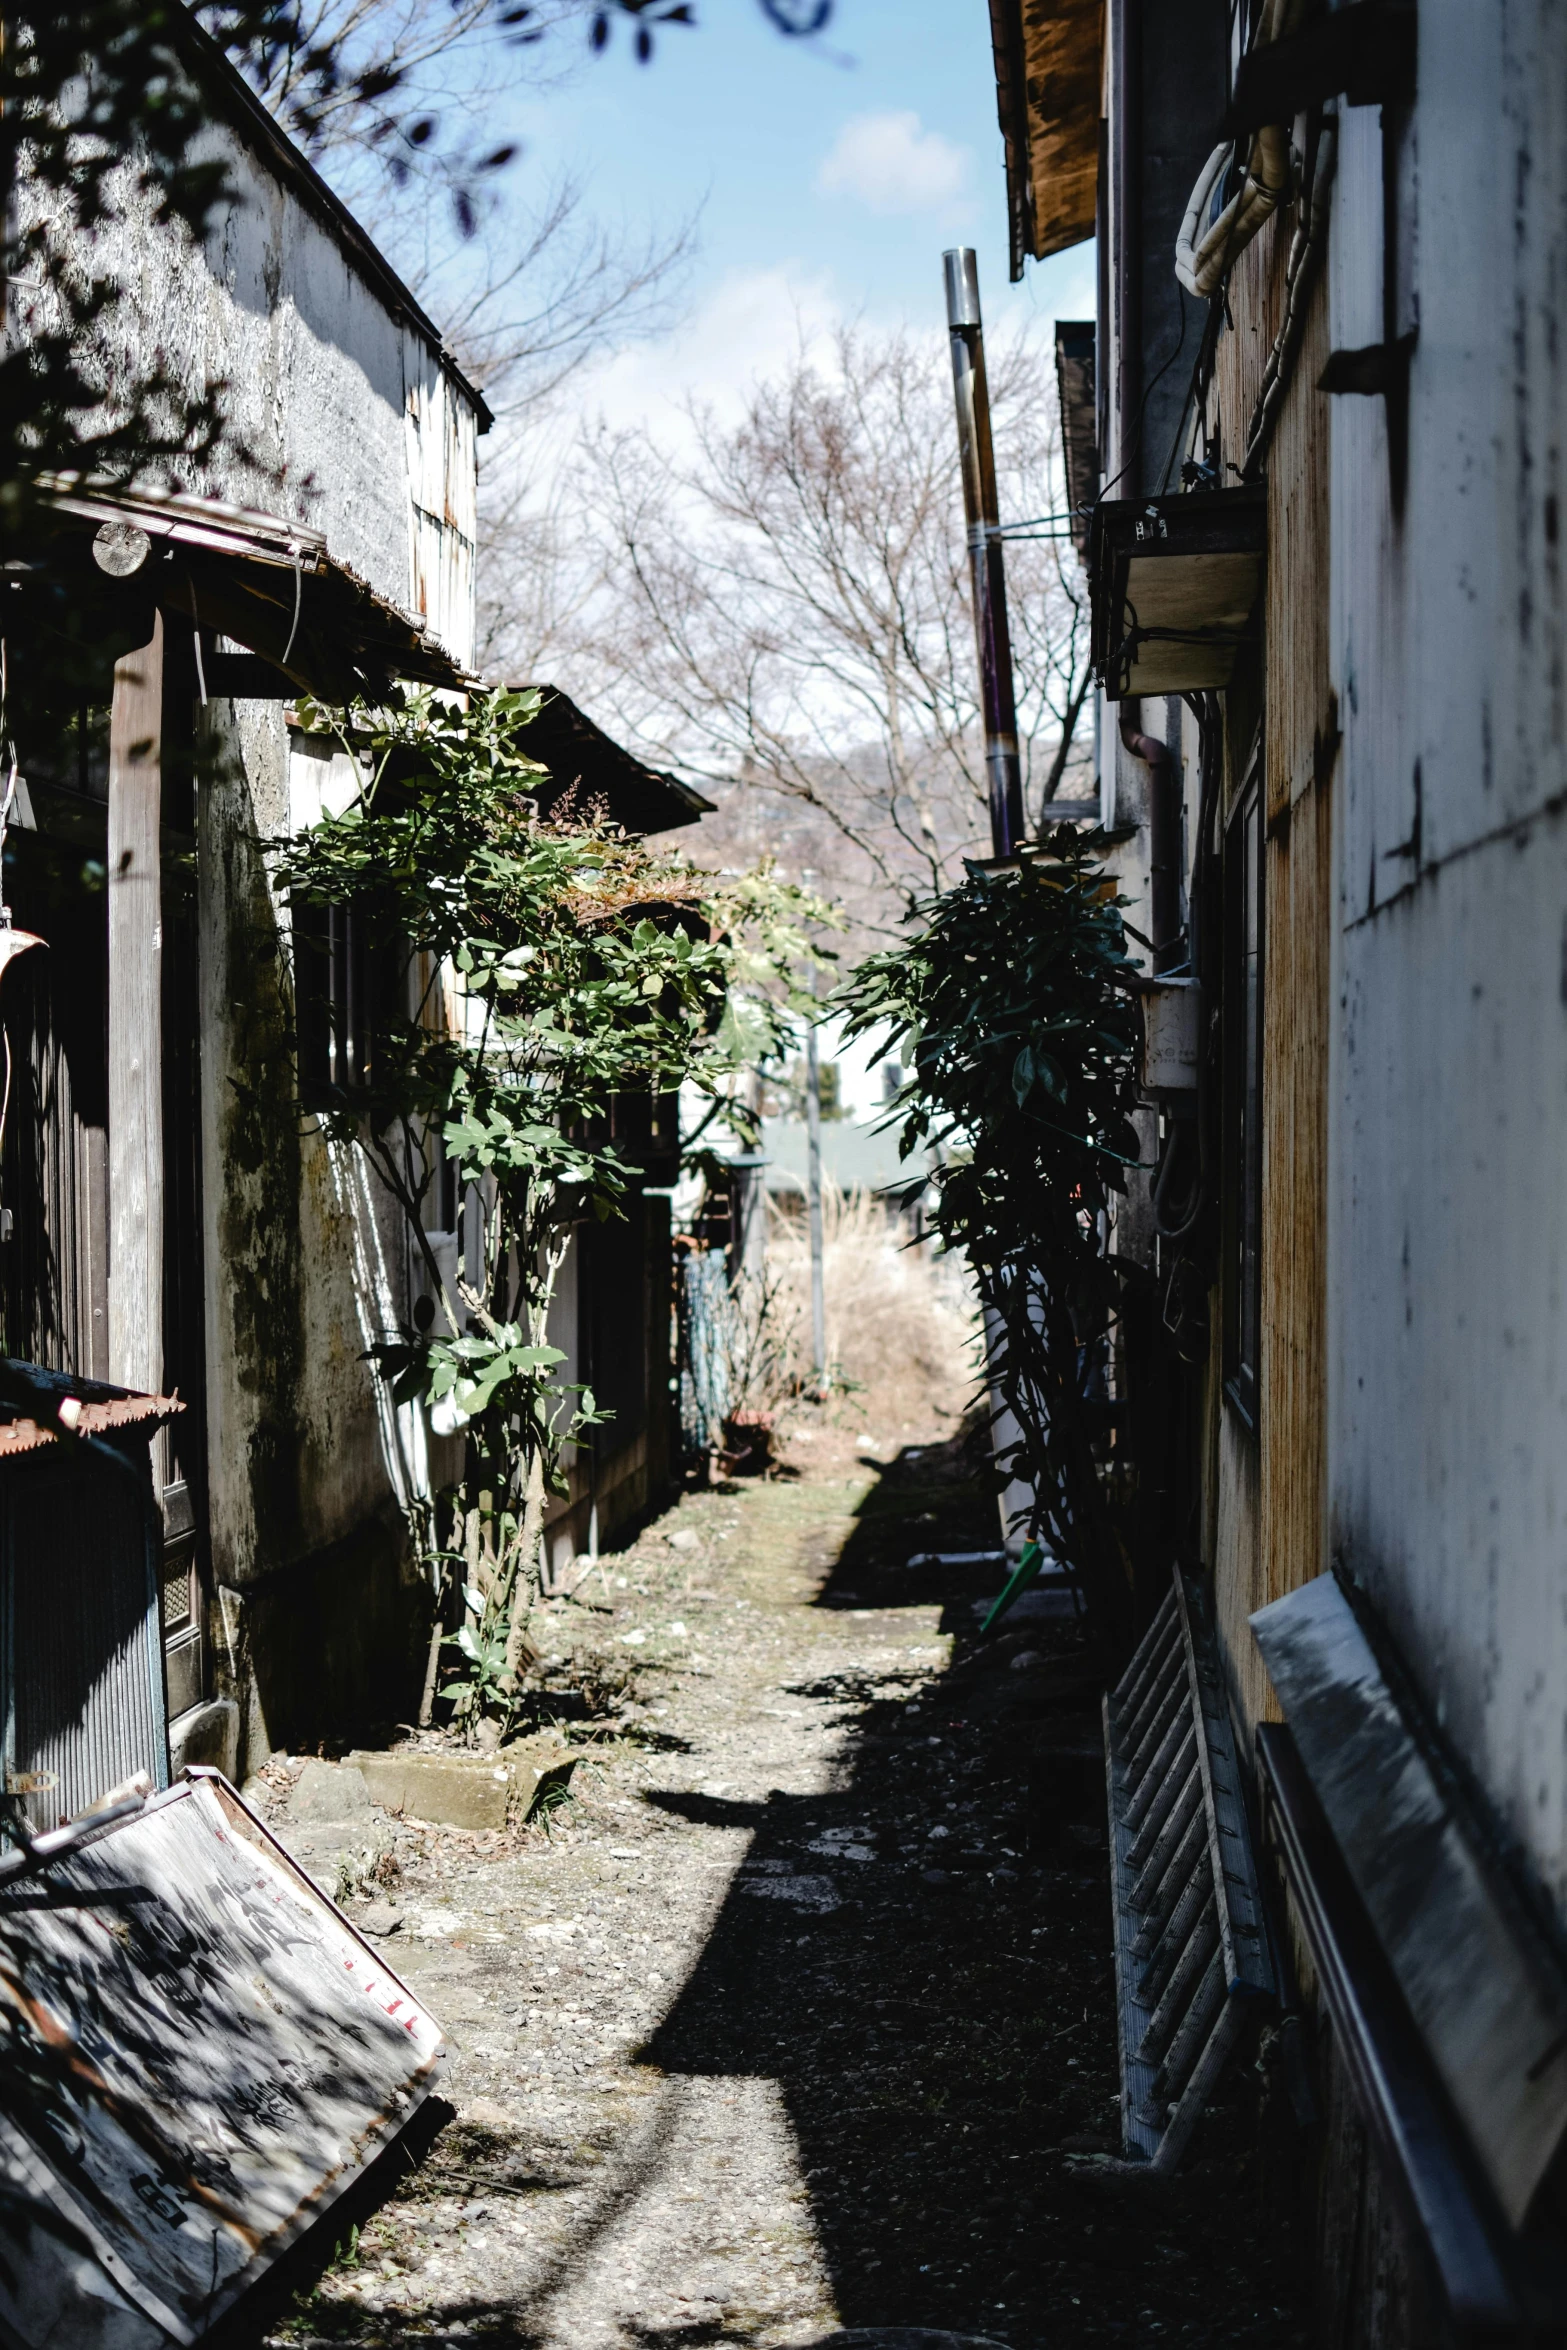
1243	984
445	1190
332	999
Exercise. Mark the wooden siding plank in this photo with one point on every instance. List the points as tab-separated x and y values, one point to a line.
136	1020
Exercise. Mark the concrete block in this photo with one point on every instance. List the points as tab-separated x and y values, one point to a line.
528	1760
334	1792
454	1790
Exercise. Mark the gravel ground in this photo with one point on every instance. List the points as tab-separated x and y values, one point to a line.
797	2016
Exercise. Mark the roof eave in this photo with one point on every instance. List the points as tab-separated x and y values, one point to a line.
1047	62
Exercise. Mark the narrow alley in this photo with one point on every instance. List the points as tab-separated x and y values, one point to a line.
797	2014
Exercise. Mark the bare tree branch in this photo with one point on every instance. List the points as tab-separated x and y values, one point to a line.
781	606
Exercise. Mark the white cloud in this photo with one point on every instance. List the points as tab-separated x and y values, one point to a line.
746	328
893	164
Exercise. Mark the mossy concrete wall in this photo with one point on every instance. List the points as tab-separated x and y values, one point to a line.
320	1611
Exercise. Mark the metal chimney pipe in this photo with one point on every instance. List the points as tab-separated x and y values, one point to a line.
986	565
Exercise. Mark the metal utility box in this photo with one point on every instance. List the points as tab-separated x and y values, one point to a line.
1173	584
81	1645
1172	1034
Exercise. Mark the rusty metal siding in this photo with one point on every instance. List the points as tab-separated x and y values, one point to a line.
81	1650
440	431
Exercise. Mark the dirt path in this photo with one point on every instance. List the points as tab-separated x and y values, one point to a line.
800	2018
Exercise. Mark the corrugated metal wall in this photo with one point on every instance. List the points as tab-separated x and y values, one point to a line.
81	1651
442	478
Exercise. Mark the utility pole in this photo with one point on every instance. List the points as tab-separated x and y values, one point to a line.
986	566
813	1192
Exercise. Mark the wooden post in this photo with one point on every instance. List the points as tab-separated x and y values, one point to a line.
136	1020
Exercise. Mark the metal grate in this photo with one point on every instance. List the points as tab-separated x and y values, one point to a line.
1190	1945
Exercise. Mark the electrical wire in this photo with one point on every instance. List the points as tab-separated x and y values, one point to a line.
299	580
1148	390
1306	249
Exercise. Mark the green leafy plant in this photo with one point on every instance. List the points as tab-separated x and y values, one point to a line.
1010	1006
550	1798
530	977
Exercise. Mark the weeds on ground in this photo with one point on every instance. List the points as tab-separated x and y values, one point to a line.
376	1869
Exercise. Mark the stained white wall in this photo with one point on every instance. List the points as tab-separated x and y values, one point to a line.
340	409
1448	1113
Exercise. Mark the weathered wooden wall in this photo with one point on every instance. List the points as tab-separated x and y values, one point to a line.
1267	1513
1300	730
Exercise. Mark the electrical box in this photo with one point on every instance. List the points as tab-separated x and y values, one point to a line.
1172	1034
1173	588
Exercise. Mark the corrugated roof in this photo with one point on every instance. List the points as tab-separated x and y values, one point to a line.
100	1407
264	582
1047	55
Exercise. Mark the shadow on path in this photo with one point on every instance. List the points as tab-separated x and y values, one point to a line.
922	1962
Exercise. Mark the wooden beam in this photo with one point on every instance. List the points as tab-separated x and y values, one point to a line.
136	1020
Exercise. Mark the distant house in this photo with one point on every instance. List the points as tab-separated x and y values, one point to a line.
170	1221
1317	481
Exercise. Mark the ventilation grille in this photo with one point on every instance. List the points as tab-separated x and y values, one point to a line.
1190	1945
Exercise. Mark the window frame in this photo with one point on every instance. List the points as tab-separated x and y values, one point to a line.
1244	1015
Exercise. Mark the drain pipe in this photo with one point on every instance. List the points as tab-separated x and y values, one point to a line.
987	569
1164	835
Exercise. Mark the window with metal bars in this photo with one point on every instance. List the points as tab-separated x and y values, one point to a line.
332	1002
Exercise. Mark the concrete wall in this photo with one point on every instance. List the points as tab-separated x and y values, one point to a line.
319	1613
1448	1116
341	412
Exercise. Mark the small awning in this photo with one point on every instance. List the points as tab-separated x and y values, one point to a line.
588	771
307	621
1075	346
1174	585
1047	56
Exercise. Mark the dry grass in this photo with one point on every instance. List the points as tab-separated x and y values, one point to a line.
900	1321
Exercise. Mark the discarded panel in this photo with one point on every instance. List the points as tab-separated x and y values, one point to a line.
1487	1996
197	2055
1190	1945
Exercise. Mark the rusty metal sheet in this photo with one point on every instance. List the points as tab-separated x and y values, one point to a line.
197	2055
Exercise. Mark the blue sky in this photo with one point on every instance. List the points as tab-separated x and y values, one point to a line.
829	175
